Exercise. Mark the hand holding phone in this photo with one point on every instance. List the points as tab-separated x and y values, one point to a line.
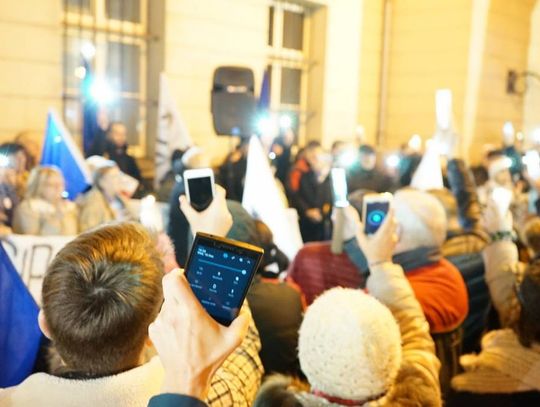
380	247
220	272
375	209
191	356
216	219
199	187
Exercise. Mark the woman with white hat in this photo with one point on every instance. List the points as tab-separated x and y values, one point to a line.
364	350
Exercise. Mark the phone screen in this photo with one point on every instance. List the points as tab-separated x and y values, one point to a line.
220	274
200	192
339	187
374	216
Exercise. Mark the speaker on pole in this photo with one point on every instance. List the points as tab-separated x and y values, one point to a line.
233	101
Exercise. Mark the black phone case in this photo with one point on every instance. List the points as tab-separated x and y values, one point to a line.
231	245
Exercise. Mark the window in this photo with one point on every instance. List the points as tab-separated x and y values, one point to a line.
116	32
288	34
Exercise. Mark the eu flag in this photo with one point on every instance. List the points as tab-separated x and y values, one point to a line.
92	134
60	150
19	330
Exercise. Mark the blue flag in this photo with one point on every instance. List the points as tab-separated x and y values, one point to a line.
19	330
60	150
264	97
92	133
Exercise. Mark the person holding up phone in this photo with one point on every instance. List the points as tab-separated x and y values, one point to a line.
353	357
190	357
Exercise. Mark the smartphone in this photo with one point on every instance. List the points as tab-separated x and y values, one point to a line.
375	209
220	272
199	186
339	187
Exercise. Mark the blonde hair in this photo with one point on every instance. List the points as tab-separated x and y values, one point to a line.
37	177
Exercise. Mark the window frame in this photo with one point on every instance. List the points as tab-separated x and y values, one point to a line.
101	30
280	57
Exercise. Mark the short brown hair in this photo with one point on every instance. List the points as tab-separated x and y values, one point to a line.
531	232
100	293
527	327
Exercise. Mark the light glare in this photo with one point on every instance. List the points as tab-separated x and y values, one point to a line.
393	161
285	122
80	72
415	142
88	50
101	92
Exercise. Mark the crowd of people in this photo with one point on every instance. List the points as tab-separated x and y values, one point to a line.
440	306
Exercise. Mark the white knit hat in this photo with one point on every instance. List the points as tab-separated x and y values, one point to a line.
421	217
349	345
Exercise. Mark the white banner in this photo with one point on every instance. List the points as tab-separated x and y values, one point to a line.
31	255
172	132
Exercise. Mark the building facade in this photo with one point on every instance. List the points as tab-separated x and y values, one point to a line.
341	68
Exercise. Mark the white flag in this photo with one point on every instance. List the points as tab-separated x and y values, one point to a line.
428	175
172	132
263	200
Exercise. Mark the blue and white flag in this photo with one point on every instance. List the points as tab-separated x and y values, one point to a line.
60	150
20	335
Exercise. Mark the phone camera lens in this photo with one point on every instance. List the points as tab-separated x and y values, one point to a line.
375	218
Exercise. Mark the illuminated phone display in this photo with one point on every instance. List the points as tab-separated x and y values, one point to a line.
220	272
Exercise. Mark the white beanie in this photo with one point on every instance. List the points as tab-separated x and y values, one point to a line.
421	217
349	345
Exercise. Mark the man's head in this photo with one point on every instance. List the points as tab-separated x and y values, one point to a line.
449	203
421	218
195	158
531	234
314	155
527	326
499	170
100	293
367	157
117	134
347	352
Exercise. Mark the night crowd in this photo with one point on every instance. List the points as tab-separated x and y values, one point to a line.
440	306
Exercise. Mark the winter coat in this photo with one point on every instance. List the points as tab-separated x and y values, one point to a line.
95	210
417	383
503	365
35	216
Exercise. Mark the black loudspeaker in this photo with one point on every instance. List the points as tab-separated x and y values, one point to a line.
233	101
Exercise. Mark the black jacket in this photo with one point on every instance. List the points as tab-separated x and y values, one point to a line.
312	194
125	162
277	311
464	250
